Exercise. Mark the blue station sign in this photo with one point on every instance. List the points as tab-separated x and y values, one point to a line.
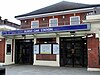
49	29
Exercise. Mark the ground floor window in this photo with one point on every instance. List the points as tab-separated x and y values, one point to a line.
45	49
45	45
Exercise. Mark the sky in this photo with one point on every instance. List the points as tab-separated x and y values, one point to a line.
11	8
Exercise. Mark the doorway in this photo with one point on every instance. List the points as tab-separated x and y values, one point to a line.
73	51
23	51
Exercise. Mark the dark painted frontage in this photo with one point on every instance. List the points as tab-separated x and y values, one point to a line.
23	51
73	51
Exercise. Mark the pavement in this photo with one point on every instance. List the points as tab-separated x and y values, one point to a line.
44	70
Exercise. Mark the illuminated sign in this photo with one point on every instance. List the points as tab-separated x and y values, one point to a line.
49	29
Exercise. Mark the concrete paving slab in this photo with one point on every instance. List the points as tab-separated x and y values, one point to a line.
43	70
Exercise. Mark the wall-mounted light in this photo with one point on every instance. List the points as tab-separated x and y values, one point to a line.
72	33
24	36
25	21
63	16
0	39
90	35
43	19
45	42
84	37
85	43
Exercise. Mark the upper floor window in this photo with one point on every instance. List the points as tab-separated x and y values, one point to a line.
35	24
53	22
74	20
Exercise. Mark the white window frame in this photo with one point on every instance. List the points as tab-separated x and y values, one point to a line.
72	17
51	20
35	21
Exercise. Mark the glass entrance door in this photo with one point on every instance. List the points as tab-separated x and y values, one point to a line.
72	52
24	52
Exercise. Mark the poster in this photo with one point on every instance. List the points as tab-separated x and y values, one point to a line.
45	49
55	49
36	49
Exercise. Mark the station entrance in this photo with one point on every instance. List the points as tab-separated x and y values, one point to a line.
73	51
23	51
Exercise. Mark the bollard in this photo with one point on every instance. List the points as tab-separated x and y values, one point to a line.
2	71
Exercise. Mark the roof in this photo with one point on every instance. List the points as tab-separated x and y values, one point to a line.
8	23
61	6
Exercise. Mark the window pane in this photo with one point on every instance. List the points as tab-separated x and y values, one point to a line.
35	24
53	22
74	20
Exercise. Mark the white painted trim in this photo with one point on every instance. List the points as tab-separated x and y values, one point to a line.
35	21
93	69
13	51
8	57
51	20
72	17
55	13
1	64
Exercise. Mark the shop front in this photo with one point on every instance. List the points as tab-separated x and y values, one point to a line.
54	46
73	51
24	51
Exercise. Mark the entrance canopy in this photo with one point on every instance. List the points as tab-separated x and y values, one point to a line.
64	28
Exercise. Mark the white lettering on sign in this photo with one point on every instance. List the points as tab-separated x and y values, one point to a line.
27	31
46	29
36	30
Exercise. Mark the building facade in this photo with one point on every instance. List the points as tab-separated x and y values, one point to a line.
5	25
57	35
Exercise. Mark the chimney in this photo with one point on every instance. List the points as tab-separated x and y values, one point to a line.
0	18
5	21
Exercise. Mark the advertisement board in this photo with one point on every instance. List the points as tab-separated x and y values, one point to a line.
55	48
45	49
36	49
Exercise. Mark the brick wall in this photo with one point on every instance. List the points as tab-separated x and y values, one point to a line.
2	50
93	58
45	23
49	57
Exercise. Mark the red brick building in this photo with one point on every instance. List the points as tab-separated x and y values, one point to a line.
56	36
4	26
